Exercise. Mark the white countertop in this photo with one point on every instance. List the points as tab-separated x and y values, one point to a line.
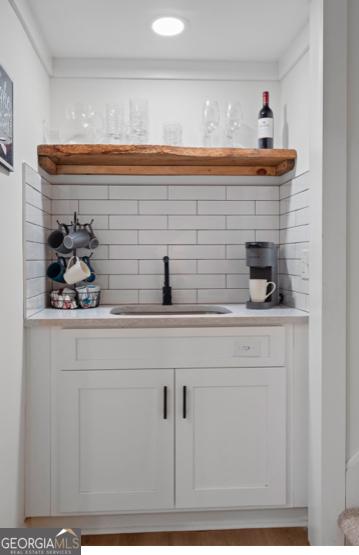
101	317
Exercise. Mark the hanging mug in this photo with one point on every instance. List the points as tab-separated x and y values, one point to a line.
92	276
77	239
76	271
56	270
93	242
56	239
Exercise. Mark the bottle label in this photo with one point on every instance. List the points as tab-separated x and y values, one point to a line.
265	128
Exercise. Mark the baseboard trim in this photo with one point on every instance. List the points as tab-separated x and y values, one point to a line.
177	521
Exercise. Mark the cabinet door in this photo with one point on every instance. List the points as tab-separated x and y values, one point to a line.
231	437
113	442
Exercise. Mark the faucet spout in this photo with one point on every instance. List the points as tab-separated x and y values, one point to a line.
166	289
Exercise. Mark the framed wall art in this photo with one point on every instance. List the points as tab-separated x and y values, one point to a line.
6	121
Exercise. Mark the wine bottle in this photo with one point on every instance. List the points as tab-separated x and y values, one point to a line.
265	124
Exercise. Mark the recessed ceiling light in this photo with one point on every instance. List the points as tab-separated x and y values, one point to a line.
168	26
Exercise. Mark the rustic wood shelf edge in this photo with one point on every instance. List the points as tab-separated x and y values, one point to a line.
163	160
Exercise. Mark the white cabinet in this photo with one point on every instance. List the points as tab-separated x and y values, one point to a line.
113	441
230	437
107	432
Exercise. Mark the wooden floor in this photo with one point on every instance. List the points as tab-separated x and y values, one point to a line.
253	536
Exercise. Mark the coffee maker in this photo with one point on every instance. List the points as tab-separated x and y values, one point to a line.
262	259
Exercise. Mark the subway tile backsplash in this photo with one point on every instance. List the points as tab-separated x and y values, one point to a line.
294	238
201	228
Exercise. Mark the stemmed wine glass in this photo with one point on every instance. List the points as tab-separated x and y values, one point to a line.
210	121
234	119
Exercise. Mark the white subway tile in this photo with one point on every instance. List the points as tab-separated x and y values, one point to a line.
296	185
287	220
222	267
227	207
35	304
267	207
236	251
102	281
176	266
116	267
35	268
294	202
200	192
198	281
65	206
101	253
225	237
122	296
270	235
197	222
295	234
138	222
137	251
35	233
137	192
197	251
167	207
252	222
36	286
150	296
100	221
181	296
36	216
223	296
34	197
78	192
288	251
289	266
240	192
36	251
136	281
237	281
300	285
169	237
108	207
302	216
117	237
31	177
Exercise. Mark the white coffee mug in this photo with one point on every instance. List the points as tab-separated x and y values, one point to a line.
76	270
258	289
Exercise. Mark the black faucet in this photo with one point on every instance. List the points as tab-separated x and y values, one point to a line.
166	289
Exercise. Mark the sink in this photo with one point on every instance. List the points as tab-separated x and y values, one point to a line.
175	310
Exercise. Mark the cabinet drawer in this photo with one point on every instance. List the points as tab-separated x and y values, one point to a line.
171	348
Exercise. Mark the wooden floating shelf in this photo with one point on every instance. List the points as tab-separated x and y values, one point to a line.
100	159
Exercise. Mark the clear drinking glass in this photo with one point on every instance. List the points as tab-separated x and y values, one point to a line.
211	120
172	134
234	119
83	122
139	120
114	122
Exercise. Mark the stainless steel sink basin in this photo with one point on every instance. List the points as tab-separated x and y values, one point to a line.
172	310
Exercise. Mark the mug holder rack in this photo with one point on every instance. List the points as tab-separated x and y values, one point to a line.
75	224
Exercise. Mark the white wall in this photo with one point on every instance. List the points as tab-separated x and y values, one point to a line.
294	112
31	105
353	260
169	100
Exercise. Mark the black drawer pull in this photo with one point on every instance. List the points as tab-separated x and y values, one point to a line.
165	402
184	405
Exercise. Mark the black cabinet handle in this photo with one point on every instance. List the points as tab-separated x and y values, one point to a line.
184	404
165	402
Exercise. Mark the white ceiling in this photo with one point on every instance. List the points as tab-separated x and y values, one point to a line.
253	30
